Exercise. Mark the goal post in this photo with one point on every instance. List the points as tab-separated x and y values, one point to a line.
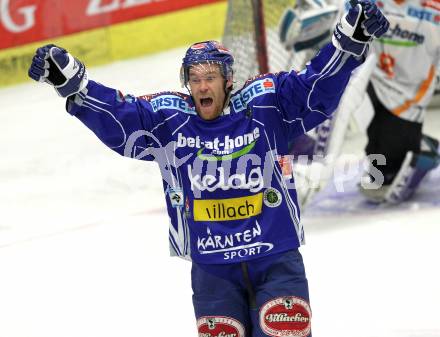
260	36
251	33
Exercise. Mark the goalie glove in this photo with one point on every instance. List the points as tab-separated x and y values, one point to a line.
363	22
307	29
55	66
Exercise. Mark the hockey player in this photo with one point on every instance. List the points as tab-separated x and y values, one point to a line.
401	87
228	198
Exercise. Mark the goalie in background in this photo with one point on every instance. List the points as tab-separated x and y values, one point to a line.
399	89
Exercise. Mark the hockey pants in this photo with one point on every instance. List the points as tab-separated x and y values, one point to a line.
262	297
391	136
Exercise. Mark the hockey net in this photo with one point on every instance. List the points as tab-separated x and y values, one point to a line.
251	33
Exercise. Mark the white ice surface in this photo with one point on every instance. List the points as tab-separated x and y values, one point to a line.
84	249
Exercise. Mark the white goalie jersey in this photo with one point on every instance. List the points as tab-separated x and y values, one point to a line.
408	57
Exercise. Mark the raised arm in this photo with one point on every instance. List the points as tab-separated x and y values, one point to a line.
309	97
110	115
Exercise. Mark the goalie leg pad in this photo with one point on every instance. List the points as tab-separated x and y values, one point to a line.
415	167
430	144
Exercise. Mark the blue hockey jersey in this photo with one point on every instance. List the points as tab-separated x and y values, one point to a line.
229	193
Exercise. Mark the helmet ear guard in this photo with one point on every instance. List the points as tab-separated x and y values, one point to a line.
183	77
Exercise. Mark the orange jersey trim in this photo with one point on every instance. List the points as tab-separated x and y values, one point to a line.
419	95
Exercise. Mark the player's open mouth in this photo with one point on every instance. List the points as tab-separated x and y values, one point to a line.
206	102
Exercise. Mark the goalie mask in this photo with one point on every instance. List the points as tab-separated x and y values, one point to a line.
207	52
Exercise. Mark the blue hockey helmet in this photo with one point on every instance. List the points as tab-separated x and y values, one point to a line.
207	52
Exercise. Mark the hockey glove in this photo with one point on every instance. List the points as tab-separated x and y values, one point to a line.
363	22
55	66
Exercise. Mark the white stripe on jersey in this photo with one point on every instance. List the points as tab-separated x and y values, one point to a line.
291	206
94	107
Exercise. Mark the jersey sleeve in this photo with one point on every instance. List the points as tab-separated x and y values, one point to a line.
309	97
123	123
